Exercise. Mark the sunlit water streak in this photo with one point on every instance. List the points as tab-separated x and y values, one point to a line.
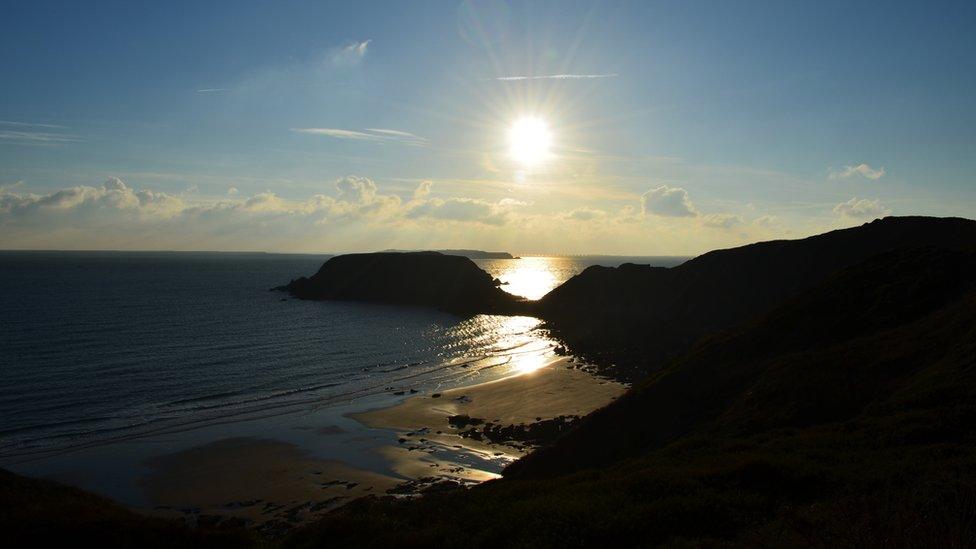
103	346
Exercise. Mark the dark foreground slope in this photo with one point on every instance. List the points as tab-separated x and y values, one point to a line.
39	513
639	317
448	282
842	418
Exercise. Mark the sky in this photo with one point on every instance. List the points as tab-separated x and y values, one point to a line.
659	128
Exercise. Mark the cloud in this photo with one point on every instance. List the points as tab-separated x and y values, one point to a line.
378	135
213	90
862	170
766	221
356	199
556	77
586	214
460	209
351	54
721	220
861	209
113	195
668	202
423	189
28	124
354	188
20	133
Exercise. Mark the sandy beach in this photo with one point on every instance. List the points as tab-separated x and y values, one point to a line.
274	485
437	432
255	481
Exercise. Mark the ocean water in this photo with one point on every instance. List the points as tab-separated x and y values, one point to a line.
103	346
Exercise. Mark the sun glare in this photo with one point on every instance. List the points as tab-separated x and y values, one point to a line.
529	140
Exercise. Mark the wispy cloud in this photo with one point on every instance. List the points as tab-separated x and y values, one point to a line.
21	133
862	170
351	54
556	77
378	135
213	90
28	124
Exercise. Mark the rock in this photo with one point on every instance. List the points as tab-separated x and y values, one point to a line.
463	420
448	282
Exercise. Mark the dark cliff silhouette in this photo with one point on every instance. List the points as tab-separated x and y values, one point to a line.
448	282
843	417
830	402
630	320
637	317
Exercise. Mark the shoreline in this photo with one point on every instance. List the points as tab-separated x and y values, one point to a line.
496	420
273	485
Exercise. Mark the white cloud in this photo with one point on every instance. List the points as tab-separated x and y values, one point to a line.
379	135
351	54
721	220
862	170
213	90
459	209
22	133
351	213
861	209
354	188
668	202
423	189
586	214
113	195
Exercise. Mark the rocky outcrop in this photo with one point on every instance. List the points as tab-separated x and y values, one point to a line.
447	282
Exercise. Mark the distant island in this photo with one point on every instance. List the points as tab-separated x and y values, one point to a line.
470	254
447	282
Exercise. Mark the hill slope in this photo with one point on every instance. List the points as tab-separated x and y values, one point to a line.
639	317
41	513
843	417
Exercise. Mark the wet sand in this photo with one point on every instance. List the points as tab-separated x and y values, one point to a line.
254	481
274	485
431	447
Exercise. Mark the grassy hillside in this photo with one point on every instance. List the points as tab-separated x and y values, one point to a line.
634	319
843	417
38	513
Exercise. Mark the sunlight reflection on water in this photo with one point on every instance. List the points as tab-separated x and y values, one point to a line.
531	277
534	276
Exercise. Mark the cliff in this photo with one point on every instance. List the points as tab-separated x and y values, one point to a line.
638	317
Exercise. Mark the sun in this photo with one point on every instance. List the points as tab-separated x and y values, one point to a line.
529	141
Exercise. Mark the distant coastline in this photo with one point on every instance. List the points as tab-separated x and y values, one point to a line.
470	254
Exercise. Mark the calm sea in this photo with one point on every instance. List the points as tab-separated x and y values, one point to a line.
98	346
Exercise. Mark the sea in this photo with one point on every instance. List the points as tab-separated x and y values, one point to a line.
99	347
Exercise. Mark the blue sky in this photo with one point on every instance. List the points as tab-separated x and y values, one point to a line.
676	127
